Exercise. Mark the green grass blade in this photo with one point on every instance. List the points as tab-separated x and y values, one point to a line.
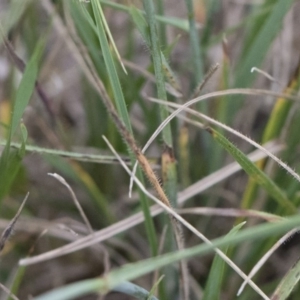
14	14
288	283
254	172
259	16
211	7
10	163
158	67
85	287
10	160
110	66
26	88
215	278
273	129
78	156
195	43
142	26
176	22
136	270
259	48
161	26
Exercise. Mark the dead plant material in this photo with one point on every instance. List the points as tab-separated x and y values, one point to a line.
10	227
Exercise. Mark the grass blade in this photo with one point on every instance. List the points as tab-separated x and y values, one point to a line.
10	160
122	110
214	282
273	129
288	283
195	42
252	170
259	47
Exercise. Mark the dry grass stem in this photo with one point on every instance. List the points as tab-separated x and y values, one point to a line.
229	129
10	227
213	69
184	107
8	292
75	200
230	212
83	216
261	262
188	225
267	75
138	218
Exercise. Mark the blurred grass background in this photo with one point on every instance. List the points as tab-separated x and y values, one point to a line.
59	44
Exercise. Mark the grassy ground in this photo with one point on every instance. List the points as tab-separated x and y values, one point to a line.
192	103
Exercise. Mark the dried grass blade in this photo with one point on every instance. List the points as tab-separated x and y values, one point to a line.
10	227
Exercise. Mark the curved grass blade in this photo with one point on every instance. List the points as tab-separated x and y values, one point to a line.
77	173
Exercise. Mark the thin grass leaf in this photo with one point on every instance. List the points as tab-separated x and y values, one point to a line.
258	18
215	278
244	22
158	67
211	8
156	284
20	64
288	283
79	175
168	160
252	170
7	232
78	156
267	255
176	22
197	61
161	26
10	160
273	129
16	10
17	281
142	26
26	88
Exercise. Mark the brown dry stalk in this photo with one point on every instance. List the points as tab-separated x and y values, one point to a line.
10	227
97	83
89	70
